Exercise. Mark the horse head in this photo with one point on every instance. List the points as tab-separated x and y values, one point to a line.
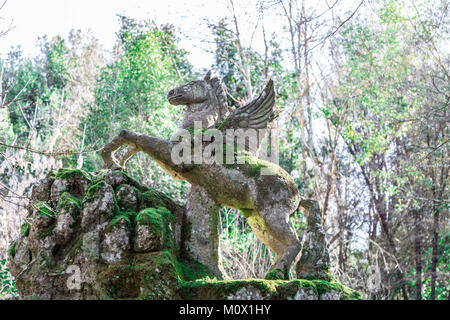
205	100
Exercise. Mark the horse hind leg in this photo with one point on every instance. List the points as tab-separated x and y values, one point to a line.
260	230
280	231
279	237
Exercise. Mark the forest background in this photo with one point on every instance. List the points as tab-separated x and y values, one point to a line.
363	90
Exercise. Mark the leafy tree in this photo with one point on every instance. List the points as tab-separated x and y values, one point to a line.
131	90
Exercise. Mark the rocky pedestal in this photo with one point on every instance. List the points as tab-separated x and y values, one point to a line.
314	258
106	236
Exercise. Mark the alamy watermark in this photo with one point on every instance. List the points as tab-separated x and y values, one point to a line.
374	279
74	280
208	146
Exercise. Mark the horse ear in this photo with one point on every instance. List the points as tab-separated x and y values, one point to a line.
207	76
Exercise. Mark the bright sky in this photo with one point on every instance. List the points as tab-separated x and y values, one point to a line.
33	18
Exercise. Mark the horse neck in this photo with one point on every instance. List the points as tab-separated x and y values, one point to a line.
204	112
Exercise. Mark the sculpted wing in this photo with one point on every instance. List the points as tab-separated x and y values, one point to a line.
256	114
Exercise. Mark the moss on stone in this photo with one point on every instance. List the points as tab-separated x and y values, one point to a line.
93	190
128	217
45	210
193	270
149	276
349	294
121	196
68	202
152	199
158	220
251	166
288	289
25	229
69	173
246	212
167	257
221	289
44	233
77	248
12	249
276	289
152	218
161	275
275	275
119	281
327	286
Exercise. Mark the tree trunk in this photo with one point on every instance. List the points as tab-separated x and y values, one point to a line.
434	258
418	252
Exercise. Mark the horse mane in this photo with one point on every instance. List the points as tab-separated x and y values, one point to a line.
217	108
221	98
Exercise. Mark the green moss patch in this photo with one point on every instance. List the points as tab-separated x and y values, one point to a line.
151	199
128	217
68	202
93	190
25	229
152	218
275	275
212	289
12	249
69	173
45	210
251	167
193	270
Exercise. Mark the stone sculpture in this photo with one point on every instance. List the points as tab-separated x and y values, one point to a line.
266	200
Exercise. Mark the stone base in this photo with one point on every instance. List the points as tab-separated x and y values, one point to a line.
105	236
258	289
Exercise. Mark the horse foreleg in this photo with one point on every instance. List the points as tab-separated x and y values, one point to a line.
126	154
109	149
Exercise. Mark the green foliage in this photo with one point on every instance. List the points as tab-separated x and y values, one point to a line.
25	229
45	210
12	249
229	55
7	283
131	93
388	104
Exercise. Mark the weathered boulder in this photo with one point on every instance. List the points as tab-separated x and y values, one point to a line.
106	236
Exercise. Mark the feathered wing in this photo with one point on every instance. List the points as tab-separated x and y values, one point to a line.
256	114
